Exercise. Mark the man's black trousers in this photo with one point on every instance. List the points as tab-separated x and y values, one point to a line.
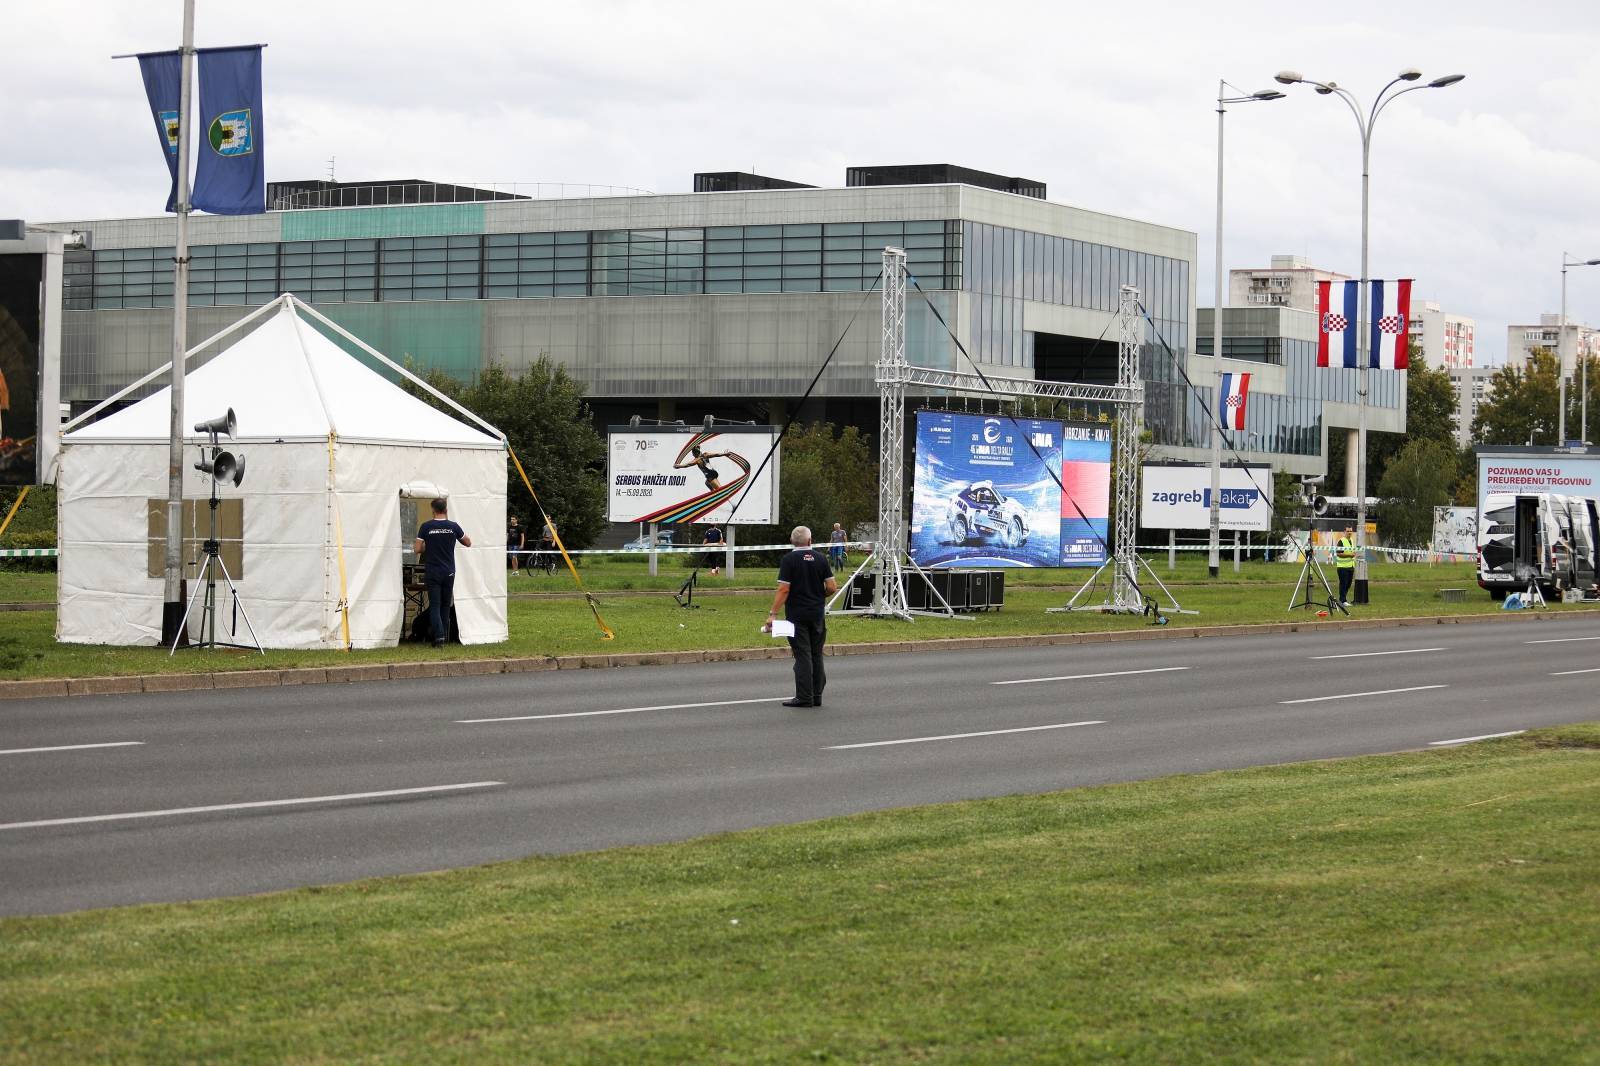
1347	574
808	674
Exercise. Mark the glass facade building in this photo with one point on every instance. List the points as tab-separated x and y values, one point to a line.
734	295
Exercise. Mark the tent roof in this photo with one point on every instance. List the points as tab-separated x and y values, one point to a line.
286	379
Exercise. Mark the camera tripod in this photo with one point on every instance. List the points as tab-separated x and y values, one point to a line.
1313	567
206	580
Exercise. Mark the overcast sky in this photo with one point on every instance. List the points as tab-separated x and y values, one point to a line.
1477	189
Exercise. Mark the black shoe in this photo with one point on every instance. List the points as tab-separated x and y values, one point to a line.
796	703
438	644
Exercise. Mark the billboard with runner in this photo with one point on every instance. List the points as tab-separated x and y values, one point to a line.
678	474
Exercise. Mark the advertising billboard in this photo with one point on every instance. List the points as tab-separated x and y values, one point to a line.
678	474
987	491
20	277
1178	496
1526	472
1086	494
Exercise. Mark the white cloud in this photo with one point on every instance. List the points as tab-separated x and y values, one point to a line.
1476	189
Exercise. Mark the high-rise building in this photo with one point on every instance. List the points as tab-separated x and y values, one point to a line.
1472	385
1446	339
1580	342
1291	281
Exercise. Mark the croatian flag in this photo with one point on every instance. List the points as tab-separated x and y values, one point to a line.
1391	311
1235	390
1336	324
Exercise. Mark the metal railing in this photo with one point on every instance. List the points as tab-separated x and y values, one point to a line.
287	197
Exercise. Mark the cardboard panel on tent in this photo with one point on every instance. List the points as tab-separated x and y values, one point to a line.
331	449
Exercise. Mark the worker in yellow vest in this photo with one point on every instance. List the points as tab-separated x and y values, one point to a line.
1344	558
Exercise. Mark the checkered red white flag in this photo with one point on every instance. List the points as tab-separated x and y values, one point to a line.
1390	312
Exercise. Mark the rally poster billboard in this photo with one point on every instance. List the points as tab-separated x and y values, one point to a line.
987	491
680	474
1178	496
1085	494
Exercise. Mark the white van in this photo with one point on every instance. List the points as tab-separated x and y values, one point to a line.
1542	538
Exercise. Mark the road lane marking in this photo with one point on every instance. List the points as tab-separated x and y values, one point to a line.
1564	673
1354	695
1086	677
386	794
958	736
74	747
620	710
1559	640
1469	740
1360	654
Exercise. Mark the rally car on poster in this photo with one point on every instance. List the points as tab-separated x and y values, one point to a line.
978	511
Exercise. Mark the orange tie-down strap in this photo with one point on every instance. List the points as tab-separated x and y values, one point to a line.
556	533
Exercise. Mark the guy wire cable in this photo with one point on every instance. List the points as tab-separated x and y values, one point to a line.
700	558
1211	416
555	534
1150	604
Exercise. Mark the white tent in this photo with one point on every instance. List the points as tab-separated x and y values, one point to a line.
332	450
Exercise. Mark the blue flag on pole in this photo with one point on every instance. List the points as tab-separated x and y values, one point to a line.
230	176
163	81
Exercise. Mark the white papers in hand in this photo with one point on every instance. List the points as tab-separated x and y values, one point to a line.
780	628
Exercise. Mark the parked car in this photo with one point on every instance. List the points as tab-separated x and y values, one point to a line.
642	544
978	511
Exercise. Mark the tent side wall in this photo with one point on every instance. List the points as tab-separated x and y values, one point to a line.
366	499
105	594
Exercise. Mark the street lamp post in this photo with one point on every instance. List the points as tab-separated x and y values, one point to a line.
1364	123
1561	362
1216	325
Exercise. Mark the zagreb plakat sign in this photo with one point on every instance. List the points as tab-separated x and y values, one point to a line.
680	474
1174	496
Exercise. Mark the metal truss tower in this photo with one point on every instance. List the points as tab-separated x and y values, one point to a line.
1124	595
1125	453
889	593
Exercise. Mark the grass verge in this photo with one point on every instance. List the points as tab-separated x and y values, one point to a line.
562	625
1440	906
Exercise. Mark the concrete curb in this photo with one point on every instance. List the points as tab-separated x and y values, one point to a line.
424	668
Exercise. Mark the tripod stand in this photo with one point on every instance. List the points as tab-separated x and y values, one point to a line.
206	580
1312	566
685	593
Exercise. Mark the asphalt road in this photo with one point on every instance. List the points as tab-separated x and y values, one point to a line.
124	799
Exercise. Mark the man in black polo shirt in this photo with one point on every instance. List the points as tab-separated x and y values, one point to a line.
436	543
804	585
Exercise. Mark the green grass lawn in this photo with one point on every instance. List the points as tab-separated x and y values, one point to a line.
1441	906
649	623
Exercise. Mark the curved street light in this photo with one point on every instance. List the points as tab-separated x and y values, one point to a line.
1364	123
1561	361
1213	542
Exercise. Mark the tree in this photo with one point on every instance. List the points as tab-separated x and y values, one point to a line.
1521	405
1288	509
1430	415
542	413
826	475
1417	480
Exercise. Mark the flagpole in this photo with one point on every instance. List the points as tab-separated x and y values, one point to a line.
172	595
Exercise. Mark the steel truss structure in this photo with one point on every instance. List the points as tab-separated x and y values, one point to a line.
1124	595
888	560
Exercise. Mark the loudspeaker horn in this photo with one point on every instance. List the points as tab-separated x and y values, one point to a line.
221	424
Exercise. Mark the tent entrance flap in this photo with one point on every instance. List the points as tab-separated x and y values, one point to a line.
421	490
